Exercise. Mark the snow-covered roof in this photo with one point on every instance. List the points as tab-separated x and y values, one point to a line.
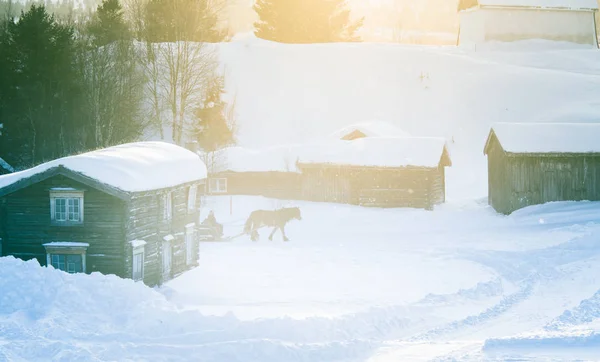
67	244
374	128
548	4
385	152
133	167
273	159
546	137
6	166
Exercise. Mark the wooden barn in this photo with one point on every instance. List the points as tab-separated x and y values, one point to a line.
535	163
240	171
128	210
484	21
377	172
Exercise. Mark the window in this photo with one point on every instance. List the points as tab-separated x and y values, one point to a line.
138	259
66	256
189	243
71	263
218	185
138	266
168	206
192	195
166	254
66	207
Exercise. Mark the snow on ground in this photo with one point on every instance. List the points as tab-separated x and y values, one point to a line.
353	284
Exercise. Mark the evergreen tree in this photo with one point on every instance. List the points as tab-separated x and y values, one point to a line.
305	21
182	20
108	24
39	118
113	80
211	128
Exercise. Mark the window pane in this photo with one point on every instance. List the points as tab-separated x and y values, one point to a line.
58	262
214	185
74	263
74	210
138	266
60	209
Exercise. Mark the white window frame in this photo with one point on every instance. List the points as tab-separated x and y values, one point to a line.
65	249
217	185
139	251
167	256
190	235
66	195
192	197
168	206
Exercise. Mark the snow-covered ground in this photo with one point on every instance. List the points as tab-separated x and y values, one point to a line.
353	284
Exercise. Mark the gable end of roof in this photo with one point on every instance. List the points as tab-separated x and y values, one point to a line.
61	170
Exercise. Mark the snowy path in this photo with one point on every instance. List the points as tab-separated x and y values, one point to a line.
451	279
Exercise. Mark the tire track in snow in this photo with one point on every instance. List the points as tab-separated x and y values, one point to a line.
495	311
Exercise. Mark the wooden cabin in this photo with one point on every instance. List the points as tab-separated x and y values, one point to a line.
535	163
128	210
377	172
240	171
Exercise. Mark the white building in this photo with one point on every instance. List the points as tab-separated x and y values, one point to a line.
483	21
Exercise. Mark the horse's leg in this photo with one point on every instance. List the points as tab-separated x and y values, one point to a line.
285	238
254	235
272	233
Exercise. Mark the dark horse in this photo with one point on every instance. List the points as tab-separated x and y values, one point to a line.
276	219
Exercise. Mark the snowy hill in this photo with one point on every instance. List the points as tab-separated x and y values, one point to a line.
296	93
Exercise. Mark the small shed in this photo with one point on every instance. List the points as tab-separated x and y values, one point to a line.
377	171
270	172
5	167
483	21
535	163
128	210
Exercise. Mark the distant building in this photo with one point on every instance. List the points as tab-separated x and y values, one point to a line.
128	210
377	172
270	172
370	164
483	21
535	163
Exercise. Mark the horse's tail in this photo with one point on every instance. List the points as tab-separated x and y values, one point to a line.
249	223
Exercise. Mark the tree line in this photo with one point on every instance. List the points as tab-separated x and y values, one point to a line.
92	80
73	80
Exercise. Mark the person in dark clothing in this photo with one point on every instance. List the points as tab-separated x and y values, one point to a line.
211	220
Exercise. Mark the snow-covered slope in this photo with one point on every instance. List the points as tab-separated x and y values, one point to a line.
298	93
292	93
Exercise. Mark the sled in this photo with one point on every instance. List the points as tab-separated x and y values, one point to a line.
207	233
